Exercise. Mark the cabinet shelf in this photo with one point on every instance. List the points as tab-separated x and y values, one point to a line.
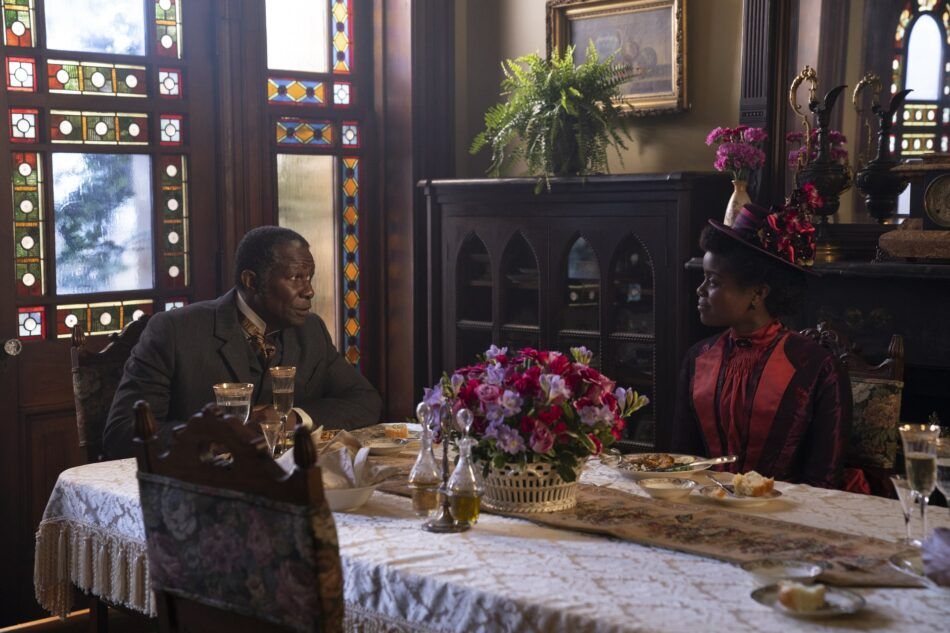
473	325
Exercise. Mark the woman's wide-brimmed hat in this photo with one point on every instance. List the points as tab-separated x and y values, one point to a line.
784	233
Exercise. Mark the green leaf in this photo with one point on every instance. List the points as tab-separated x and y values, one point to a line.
566	471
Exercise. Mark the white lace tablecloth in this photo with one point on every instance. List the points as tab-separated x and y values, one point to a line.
504	575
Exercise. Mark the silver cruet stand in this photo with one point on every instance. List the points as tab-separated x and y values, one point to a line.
443	522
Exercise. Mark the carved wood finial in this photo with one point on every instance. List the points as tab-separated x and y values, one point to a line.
79	336
305	453
144	421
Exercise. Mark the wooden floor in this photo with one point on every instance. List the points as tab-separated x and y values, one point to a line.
78	622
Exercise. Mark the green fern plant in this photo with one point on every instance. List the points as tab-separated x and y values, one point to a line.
563	116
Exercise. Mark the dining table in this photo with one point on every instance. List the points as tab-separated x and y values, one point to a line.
505	574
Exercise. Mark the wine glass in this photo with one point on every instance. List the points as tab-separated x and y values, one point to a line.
282	384
906	496
920	463
943	466
234	398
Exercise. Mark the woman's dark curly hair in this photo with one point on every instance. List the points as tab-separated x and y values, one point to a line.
751	268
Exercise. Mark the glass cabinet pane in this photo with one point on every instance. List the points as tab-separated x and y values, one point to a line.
582	289
631	279
520	284
473	282
633	367
470	343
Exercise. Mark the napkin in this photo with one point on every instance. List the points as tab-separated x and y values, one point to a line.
344	462
936	556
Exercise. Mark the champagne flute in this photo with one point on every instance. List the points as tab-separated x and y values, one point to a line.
920	463
906	496
943	467
282	383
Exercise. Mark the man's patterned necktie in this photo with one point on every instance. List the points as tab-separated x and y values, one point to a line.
264	349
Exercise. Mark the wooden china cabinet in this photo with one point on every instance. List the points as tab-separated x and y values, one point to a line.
596	262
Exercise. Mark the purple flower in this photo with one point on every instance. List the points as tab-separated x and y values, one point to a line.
509	440
716	135
433	397
493	413
510	402
495	374
494	351
554	387
754	135
592	415
542	440
494	426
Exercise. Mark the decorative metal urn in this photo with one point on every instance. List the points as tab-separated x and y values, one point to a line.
876	181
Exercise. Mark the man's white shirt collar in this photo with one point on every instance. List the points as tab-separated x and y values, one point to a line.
249	313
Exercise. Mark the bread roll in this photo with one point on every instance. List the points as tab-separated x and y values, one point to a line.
752	484
799	597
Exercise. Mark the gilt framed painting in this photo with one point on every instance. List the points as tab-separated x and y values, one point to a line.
648	36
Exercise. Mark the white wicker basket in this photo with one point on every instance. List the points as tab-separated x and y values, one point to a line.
537	488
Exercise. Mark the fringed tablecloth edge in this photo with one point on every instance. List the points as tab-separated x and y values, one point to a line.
95	560
357	619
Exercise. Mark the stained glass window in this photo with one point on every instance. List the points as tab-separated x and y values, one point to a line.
342	36
174	209
18	19
341	93
97	26
922	63
350	134
100	318
168	28
21	74
350	178
28	223
103	218
95	78
296	91
169	126
169	83
31	322
294	131
98	128
23	125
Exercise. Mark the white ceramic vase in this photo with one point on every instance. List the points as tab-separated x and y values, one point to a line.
738	199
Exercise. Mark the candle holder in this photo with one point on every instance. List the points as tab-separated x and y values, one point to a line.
443	522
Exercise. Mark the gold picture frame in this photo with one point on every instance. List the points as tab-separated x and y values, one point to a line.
647	35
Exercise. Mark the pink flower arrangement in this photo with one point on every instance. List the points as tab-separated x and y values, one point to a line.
740	149
838	151
534	406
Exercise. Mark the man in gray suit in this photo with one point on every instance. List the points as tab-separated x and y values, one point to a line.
264	321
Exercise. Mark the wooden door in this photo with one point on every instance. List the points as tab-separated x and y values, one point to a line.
107	173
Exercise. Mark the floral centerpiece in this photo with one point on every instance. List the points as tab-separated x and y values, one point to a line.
536	413
739	151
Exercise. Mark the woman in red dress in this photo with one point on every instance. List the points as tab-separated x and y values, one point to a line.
776	399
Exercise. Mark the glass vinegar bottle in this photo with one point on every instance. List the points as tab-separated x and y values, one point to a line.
464	488
425	476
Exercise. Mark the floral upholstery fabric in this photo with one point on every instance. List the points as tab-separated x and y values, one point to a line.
273	561
874	435
93	390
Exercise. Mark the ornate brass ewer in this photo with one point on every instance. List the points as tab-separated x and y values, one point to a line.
829	176
877	183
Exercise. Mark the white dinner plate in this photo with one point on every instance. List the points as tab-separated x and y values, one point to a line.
912	564
837	602
710	492
624	467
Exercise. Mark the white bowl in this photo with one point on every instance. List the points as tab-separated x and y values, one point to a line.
669	488
347	499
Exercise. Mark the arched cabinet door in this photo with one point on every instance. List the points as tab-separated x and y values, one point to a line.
631	323
578	298
473	300
520	284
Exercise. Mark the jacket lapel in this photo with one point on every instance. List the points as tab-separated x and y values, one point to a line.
290	355
771	388
228	331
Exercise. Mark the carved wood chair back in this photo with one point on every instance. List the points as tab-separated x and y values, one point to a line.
234	542
876	401
96	377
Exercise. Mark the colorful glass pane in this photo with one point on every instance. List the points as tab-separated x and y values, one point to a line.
23	125
169	83
96	78
18	19
342	11
297	35
349	176
28	222
294	131
174	209
169	126
103	222
115	27
21	74
296	91
31	322
98	128
168	28
341	93
350	134
100	318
